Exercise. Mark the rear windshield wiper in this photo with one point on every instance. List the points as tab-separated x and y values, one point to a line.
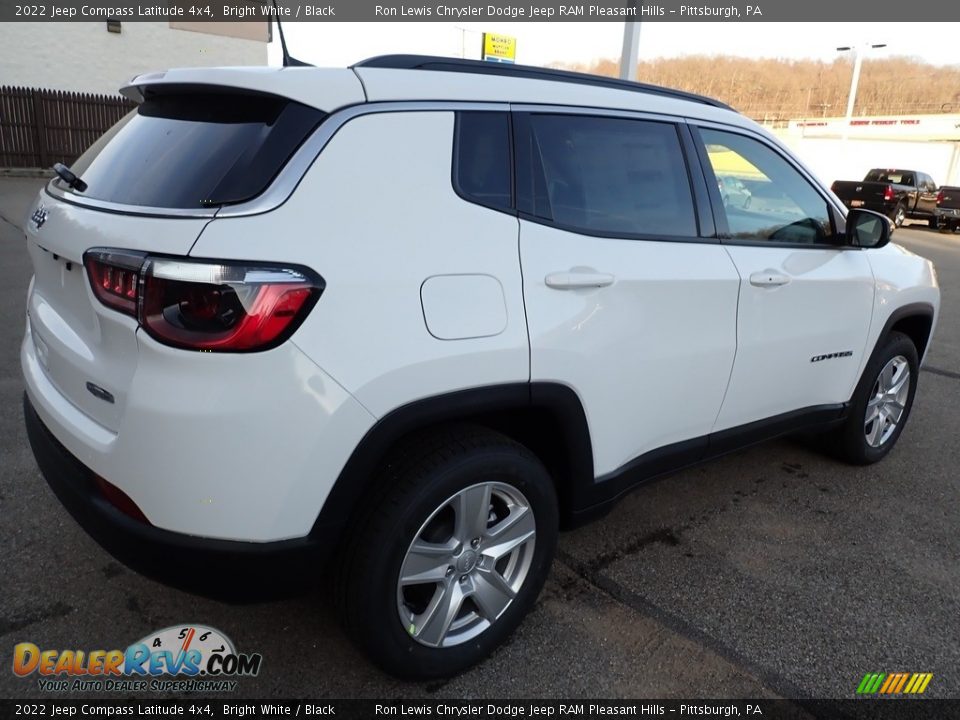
69	177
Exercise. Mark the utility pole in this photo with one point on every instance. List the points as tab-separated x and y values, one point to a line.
631	49
855	80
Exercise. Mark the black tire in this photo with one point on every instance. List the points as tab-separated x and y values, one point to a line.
898	215
849	441
418	480
934	223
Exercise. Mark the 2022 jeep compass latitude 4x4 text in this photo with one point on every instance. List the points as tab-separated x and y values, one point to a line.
421	314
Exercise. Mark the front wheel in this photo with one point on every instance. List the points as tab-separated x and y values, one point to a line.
453	556
881	403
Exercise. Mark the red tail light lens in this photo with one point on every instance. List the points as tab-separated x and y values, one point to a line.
888	193
226	307
939	197
115	278
208	306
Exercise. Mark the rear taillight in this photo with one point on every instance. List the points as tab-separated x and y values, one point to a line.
204	305
115	278
888	193
939	197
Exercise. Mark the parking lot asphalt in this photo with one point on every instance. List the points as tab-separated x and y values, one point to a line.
772	572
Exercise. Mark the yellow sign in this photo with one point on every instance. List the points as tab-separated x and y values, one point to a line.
499	48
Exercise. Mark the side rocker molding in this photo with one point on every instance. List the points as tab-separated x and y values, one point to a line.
611	487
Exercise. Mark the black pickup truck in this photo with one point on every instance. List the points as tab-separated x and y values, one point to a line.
948	209
898	194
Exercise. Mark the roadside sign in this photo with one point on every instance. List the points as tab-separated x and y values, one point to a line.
499	48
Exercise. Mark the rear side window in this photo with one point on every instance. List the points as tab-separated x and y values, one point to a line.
610	176
481	167
189	148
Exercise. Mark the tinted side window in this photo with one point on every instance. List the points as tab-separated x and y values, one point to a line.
192	148
610	176
481	167
765	198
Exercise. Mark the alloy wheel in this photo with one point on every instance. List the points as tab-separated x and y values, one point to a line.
466	564
887	402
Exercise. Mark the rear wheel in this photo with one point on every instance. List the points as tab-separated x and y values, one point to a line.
899	215
881	403
452	557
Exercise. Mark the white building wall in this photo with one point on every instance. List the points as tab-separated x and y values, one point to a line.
837	159
84	57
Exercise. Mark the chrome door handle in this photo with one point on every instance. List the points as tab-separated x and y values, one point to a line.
769	278
577	280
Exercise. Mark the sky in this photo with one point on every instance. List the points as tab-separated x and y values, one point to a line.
539	43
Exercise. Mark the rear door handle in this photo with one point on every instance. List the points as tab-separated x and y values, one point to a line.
769	278
575	280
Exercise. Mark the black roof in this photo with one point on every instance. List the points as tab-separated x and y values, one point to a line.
443	64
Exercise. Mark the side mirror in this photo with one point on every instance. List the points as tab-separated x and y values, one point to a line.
867	229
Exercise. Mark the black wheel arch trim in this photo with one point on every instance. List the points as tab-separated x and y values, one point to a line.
560	401
917	309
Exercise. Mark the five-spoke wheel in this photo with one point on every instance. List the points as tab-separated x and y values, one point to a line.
452	552
466	564
886	407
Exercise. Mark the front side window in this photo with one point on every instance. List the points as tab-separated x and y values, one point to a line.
764	197
609	176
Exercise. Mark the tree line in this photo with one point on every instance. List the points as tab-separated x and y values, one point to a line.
773	90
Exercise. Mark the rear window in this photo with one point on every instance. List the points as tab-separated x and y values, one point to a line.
481	167
195	149
897	177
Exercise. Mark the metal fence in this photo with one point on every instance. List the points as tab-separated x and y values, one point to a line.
41	127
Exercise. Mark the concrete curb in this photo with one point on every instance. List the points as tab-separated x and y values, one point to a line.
25	173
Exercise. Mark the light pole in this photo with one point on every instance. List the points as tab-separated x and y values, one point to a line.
631	50
855	80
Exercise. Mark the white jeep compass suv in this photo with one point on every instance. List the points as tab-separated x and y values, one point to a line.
423	313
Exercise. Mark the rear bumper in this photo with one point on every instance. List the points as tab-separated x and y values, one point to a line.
884	208
217	568
235	447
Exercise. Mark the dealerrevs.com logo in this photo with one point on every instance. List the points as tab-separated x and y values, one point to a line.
176	659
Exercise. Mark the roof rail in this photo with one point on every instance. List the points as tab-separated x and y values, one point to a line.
443	64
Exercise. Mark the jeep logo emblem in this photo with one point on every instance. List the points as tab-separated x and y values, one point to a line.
39	216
